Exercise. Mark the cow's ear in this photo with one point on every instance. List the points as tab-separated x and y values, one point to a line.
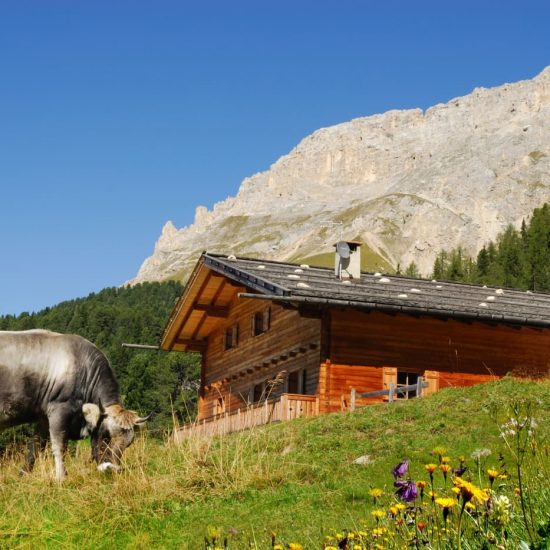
92	414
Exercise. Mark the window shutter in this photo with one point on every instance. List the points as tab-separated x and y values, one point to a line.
389	376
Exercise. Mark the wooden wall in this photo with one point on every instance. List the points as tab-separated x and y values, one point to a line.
463	353
291	343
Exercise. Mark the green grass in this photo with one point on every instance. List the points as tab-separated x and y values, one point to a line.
296	478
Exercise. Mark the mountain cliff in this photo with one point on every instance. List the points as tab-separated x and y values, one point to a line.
406	183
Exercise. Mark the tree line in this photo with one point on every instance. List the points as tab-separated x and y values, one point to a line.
165	383
517	258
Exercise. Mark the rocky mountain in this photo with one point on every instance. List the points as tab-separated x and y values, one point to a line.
406	183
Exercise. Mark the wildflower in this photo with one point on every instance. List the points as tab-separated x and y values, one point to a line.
430	468
470	506
421	485
278	547
295	546
375	494
439	452
432	494
501	512
479	454
406	490
446	504
456	490
394	510
445	468
400	506
469	491
459	472
493	474
422	525
379	531
378	514
401	469
445	459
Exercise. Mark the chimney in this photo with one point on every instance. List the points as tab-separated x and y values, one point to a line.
347	260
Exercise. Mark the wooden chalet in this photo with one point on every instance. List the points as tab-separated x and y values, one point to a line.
280	340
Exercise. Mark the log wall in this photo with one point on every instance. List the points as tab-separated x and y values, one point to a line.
291	343
466	349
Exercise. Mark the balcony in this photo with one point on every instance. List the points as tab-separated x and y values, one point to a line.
286	407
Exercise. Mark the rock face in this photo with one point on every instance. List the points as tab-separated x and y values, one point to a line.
406	183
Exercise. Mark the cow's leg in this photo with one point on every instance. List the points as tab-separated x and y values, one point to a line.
58	420
36	444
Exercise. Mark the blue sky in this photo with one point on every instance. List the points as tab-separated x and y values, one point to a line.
116	116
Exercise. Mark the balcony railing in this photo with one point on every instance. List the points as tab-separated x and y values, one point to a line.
286	407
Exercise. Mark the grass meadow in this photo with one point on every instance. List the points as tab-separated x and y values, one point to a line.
295	484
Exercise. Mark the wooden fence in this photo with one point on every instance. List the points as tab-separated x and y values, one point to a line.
393	392
286	407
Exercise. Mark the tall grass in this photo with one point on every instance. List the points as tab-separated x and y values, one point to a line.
296	479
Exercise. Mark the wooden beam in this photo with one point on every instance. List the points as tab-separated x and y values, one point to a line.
213	311
192	345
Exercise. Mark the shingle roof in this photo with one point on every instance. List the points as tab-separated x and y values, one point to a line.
316	285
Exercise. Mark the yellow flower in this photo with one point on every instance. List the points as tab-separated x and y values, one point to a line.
446	459
492	473
470	492
376	493
400	506
331	548
295	546
456	490
445	502
278	547
470	506
431	468
445	468
378	514
421	484
439	451
394	510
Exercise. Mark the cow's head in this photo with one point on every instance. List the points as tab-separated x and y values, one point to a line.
112	431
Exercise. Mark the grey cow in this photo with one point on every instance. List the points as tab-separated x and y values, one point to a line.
64	384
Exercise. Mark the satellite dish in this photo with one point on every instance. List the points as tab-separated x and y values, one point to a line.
342	247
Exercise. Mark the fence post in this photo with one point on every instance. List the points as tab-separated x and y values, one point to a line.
352	399
390	394
419	384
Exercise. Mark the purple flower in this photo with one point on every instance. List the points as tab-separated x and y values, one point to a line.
401	469
459	471
406	490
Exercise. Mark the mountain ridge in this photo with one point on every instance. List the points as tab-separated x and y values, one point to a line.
407	183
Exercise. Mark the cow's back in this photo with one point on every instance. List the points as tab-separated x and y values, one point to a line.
36	368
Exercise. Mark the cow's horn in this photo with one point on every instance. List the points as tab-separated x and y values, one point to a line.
143	419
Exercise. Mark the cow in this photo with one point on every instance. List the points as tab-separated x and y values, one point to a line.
64	384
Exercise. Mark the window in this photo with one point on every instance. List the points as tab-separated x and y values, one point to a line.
231	337
406	379
261	321
257	393
297	382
